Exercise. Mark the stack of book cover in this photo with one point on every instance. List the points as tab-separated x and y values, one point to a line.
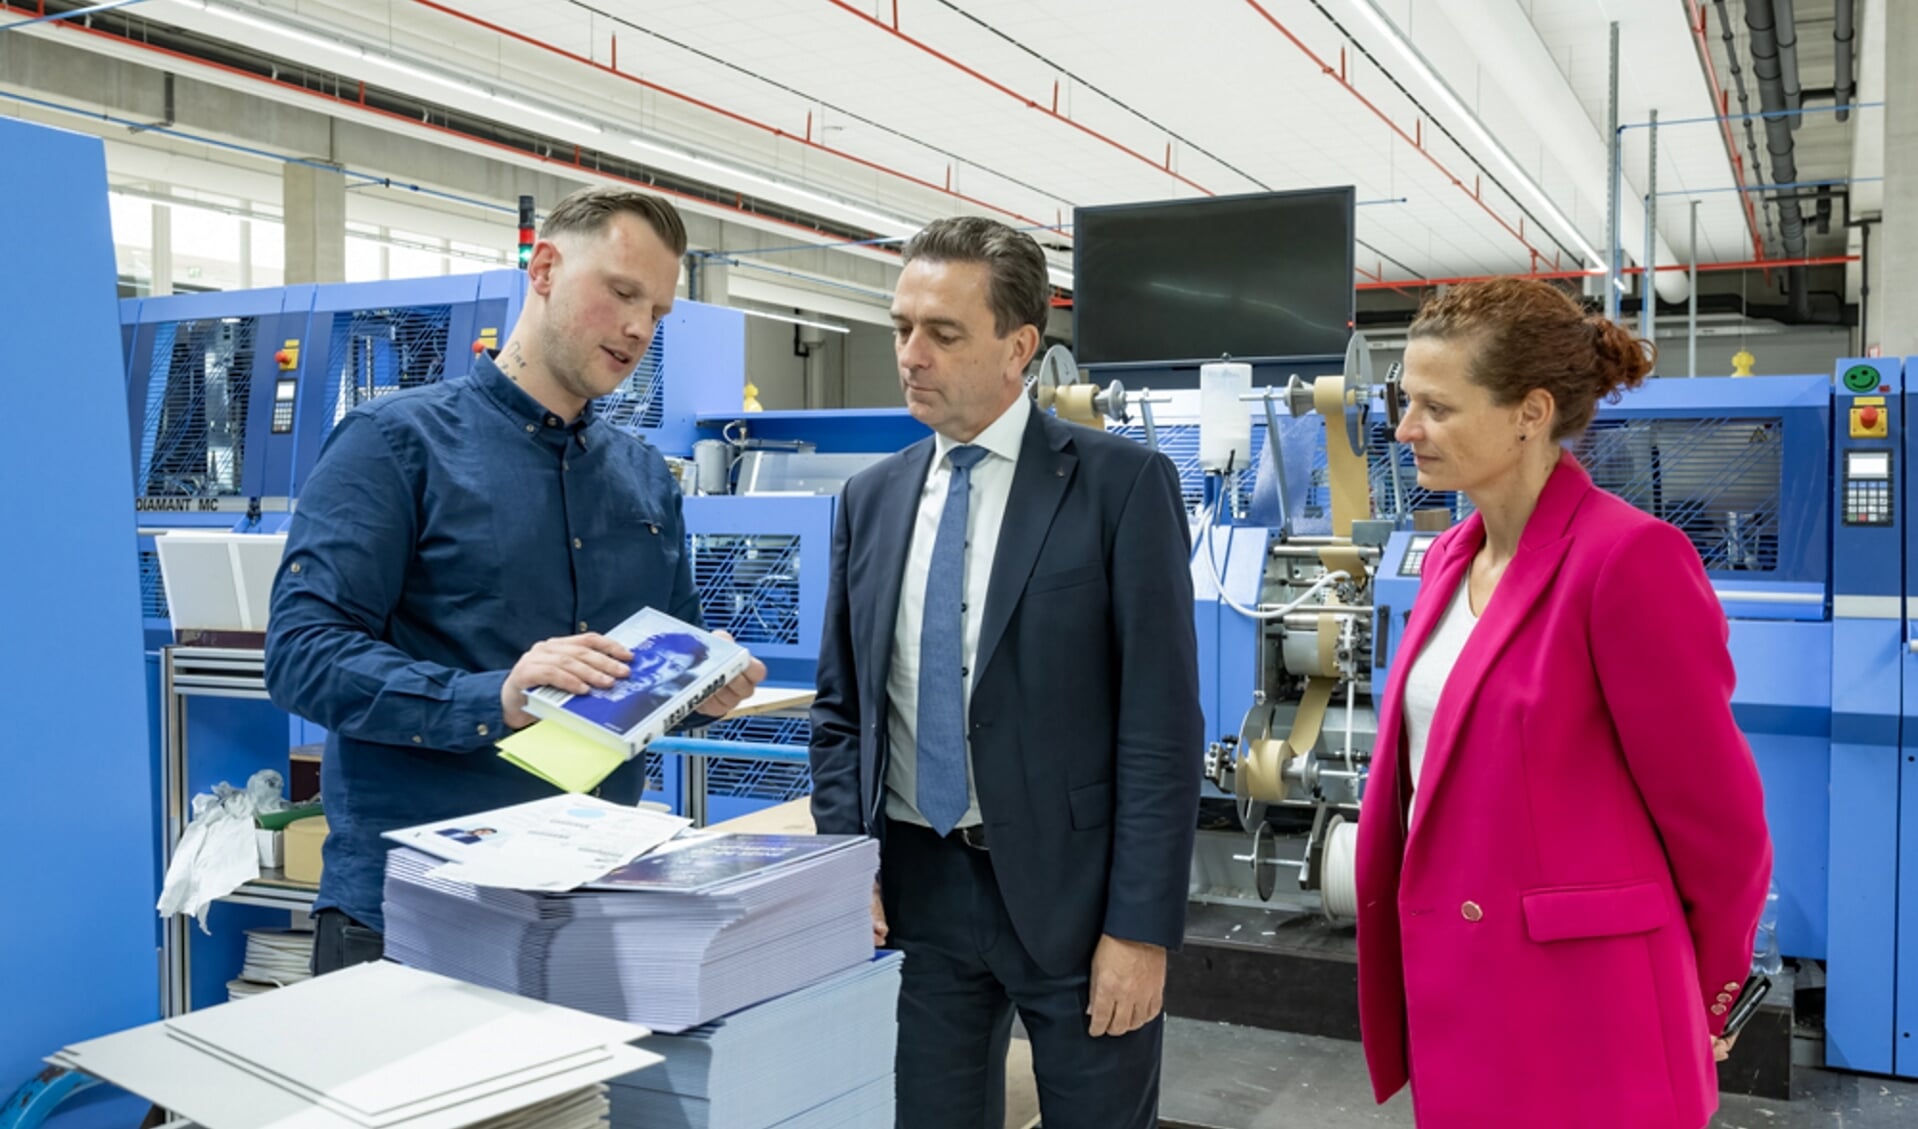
817	1058
376	1046
702	927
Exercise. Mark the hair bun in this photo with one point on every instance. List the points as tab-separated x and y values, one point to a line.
1624	358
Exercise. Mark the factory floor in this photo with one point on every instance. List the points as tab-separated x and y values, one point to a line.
1225	1077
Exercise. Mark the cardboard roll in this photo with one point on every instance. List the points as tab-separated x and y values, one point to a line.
1251	776
1262	771
1264	755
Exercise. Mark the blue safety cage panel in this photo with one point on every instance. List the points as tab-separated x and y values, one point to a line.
193	431
749	585
771	781
376	352
1718	479
640	403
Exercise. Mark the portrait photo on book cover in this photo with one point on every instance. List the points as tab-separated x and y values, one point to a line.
661	667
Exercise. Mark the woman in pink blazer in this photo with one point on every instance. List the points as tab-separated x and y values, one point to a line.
1562	853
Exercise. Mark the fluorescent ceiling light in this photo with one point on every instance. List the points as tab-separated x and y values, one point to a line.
1477	128
398	66
825	325
550	115
281	29
730	176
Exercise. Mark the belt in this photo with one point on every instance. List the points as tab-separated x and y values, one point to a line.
973	836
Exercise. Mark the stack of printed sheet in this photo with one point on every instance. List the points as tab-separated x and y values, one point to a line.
702	927
818	1058
376	1046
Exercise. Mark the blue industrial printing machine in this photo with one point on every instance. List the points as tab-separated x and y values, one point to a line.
1792	489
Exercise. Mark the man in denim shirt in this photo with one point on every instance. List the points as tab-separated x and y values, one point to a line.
461	543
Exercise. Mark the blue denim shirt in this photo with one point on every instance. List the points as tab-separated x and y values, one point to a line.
443	532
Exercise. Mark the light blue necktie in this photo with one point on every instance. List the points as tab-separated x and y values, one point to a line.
942	795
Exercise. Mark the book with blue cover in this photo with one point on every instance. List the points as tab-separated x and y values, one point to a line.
675	666
581	738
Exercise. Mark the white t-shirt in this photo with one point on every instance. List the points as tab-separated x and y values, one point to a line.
1426	679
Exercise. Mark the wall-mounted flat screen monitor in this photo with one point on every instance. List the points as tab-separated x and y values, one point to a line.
1189	281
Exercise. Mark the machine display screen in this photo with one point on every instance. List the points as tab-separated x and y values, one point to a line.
1187	281
1868	464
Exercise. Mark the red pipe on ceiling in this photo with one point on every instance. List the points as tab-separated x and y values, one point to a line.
1030	103
1556	275
1337	74
1722	109
573	166
731	115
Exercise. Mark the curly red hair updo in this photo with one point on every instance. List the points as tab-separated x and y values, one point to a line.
1528	334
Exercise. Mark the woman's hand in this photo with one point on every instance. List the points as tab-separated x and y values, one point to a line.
1722	1048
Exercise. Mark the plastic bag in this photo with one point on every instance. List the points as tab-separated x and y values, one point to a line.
218	854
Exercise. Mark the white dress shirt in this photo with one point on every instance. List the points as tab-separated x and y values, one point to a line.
1426	680
991	486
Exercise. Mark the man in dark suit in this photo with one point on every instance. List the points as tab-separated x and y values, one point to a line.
1008	699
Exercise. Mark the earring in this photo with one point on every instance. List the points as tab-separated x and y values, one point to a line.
1521	438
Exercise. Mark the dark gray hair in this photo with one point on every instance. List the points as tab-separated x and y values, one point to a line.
1018	290
589	210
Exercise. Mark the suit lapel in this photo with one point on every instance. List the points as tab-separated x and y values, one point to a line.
1038	485
1541	550
898	512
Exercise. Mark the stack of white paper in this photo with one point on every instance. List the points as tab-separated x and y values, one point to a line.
376	1046
821	1056
699	929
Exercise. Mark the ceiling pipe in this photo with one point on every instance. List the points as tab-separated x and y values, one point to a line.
1530	78
1784	14
1760	21
1567	275
1723	106
403	123
1841	34
1415	140
804	139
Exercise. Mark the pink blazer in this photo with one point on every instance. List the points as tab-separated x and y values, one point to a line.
1573	910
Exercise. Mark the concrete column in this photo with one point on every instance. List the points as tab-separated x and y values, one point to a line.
1893	321
162	283
314	201
246	254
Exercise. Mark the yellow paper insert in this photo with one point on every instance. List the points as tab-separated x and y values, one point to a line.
560	757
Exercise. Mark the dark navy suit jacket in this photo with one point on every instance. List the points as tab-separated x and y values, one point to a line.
1086	733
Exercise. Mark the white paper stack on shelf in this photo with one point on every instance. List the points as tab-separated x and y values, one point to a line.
700	928
275	958
821	1056
376	1046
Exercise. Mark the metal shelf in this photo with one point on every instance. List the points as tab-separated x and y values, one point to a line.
204	672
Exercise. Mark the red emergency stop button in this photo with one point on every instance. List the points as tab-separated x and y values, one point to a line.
1869	417
283	358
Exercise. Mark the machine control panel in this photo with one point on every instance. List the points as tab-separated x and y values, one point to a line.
283	391
1868	488
1414	563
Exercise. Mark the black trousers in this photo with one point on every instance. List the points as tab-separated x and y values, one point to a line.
965	974
341	942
